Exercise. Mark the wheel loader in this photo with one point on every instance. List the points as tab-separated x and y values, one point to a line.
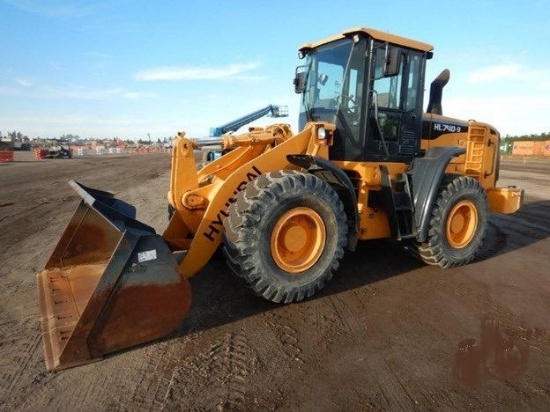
284	207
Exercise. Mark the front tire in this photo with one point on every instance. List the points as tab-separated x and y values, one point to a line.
458	224
285	235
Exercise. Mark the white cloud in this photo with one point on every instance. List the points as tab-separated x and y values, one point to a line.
77	92
232	71
70	92
512	73
84	93
543	85
88	126
496	73
510	114
24	82
132	95
8	91
95	55
54	8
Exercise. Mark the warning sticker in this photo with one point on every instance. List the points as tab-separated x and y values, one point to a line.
147	255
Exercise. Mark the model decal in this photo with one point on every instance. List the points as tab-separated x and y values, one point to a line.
449	128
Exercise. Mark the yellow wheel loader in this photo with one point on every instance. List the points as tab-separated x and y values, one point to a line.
367	164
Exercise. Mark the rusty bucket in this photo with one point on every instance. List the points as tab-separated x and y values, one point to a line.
111	283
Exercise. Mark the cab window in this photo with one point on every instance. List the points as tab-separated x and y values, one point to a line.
387	88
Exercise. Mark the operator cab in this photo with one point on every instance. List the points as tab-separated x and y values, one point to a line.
371	85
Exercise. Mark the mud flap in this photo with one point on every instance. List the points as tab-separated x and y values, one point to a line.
111	283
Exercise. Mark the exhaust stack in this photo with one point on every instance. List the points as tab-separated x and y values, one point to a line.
436	92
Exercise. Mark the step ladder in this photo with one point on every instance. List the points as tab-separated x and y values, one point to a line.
475	151
396	199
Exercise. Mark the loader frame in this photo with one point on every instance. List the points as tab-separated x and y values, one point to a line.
367	164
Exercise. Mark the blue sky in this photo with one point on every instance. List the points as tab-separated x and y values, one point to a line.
126	68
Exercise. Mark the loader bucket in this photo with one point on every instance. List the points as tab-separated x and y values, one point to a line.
111	283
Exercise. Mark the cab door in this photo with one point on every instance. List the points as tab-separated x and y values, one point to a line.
395	109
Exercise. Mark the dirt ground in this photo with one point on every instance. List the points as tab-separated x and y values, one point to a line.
387	333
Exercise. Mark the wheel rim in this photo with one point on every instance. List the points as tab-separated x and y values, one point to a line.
462	224
298	239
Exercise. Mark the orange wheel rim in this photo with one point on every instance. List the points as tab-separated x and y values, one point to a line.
462	224
298	239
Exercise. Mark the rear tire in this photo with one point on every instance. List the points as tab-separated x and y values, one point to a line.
285	235
457	226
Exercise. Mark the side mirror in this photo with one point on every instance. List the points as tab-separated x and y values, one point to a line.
300	79
392	61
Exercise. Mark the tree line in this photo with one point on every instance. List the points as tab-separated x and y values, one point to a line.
18	136
527	137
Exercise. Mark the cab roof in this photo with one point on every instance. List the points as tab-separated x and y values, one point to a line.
375	34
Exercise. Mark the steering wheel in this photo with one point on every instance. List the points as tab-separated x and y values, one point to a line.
349	109
348	104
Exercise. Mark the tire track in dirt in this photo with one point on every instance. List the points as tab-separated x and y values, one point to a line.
149	380
223	368
21	355
37	197
104	385
380	336
285	324
495	242
29	229
391	387
350	311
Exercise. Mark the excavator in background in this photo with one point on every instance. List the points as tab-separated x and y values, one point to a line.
209	155
367	164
